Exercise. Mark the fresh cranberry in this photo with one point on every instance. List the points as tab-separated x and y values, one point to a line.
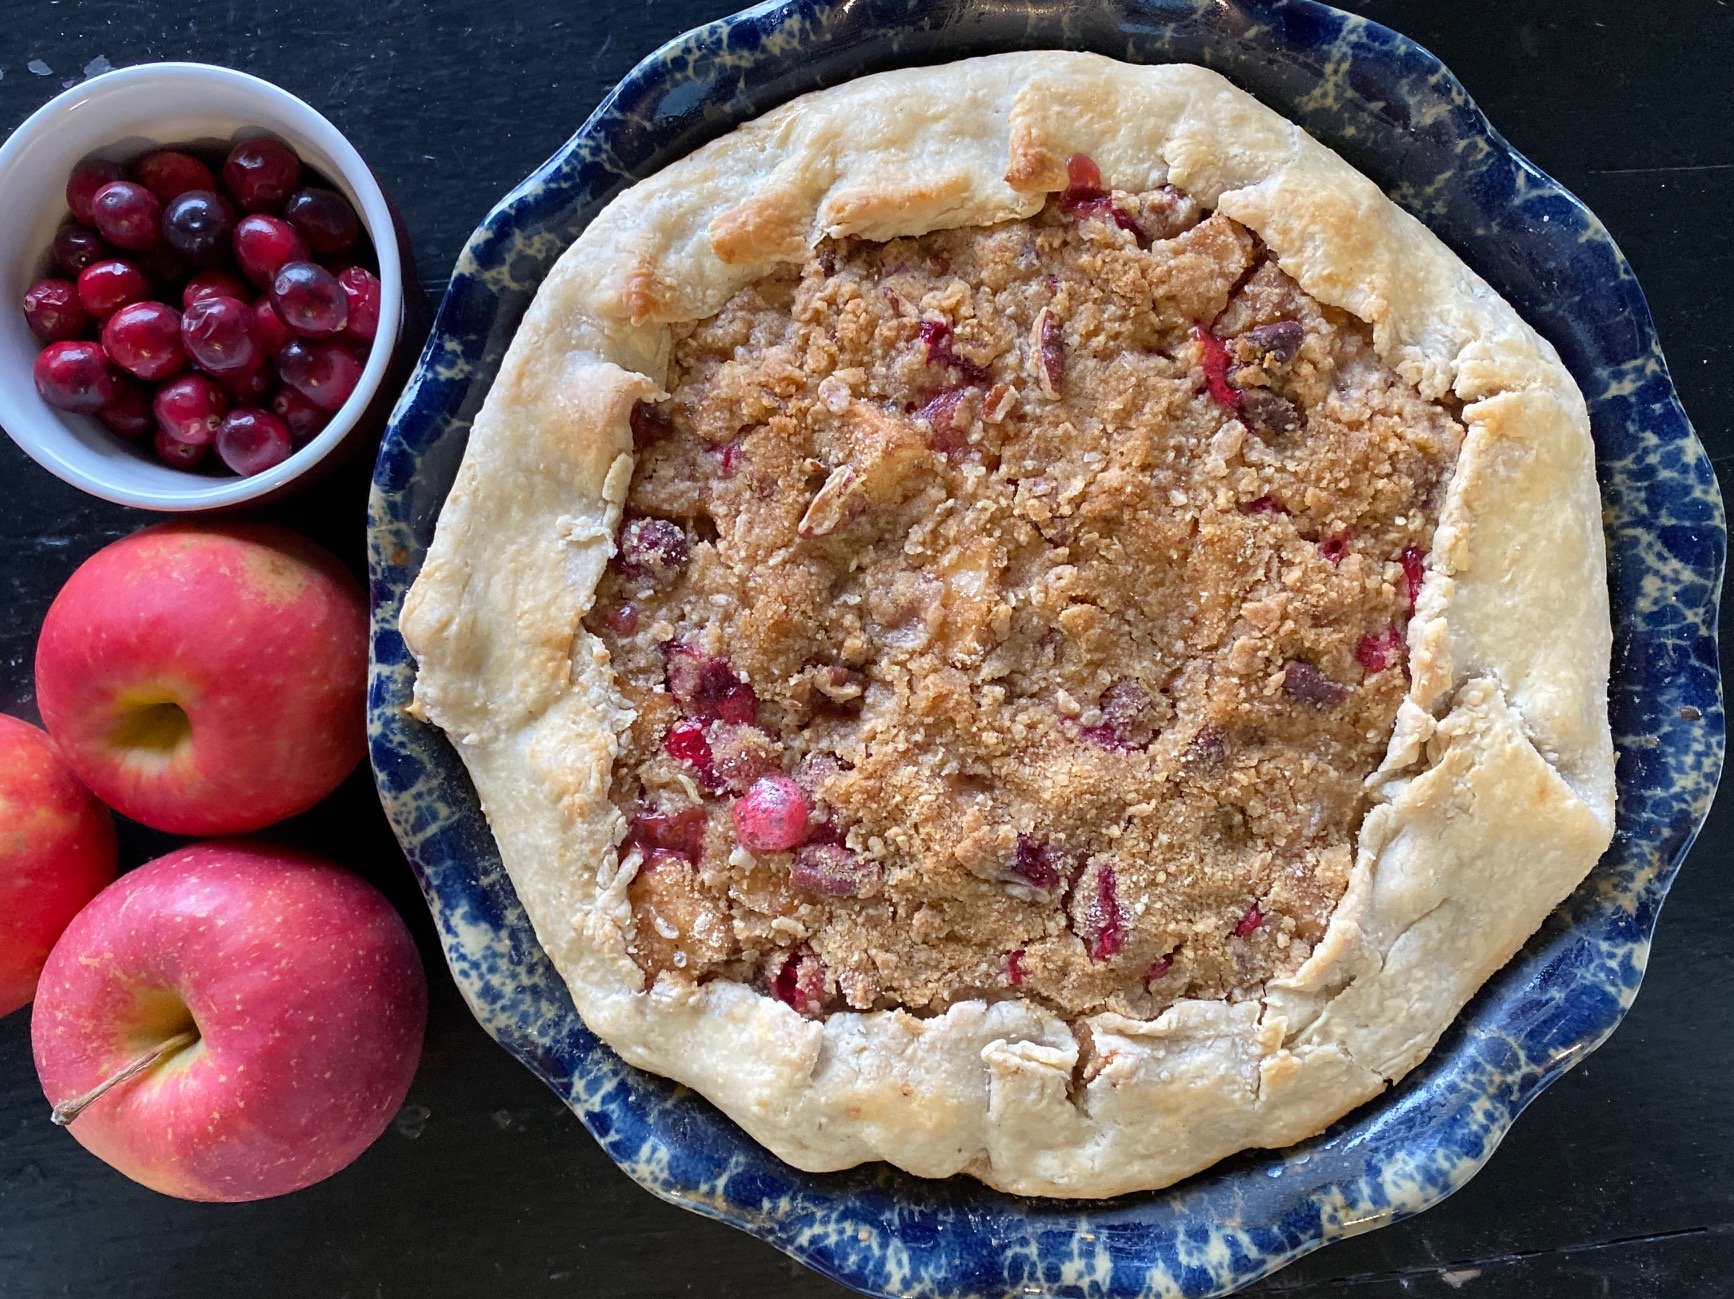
261	174
105	287
199	224
128	215
190	408
325	219
682	832
1103	920
800	983
361	287
1414	571
75	377
1335	547
75	248
129	414
274	334
86	179
1159	968
309	299
1304	682
833	870
1014	966
324	373
1213	360
936	338
171	450
53	312
707	687
214	284
144	339
649	424
1376	649
1037	863
264	245
302	416
249	387
652	548
163	267
772	815
221	337
1249	922
169	173
252	441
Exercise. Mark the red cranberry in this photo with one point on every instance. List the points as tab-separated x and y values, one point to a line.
310	300
144	339
252	441
199	223
1414	572
800	983
361	288
772	815
249	387
682	832
1086	195
105	287
1263	505
686	742
274	334
264	245
75	377
261	174
214	284
832	870
1014	966
53	312
220	335
936	337
623	619
128	215
1213	360
728	459
1376	650
86	179
169	173
324	373
1249	922
129	414
190	408
1159	968
1103	921
652	548
1335	547
707	687
176	453
325	220
75	248
1036	862
302	416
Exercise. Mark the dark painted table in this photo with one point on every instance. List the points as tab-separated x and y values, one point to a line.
1618	1182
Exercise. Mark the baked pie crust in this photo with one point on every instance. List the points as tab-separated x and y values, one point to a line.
1226	989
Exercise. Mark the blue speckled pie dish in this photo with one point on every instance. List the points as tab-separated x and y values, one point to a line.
1397	114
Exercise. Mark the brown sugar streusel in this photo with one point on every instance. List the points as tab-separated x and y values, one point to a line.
1014	611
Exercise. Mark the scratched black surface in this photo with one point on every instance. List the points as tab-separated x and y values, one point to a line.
1619	1181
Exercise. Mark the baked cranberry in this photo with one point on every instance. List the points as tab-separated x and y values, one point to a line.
1206	749
940	412
1375	650
705	686
686	742
75	377
54	313
171	450
682	832
1159	968
128	215
169	173
728	459
199	224
252	441
1125	720
261	174
86	179
1263	505
833	870
274	334
75	248
652	548
105	287
190	408
129	414
1086	195
1037	863
1213	360
936	338
622	619
221	337
1304	682
361	287
309	299
1414	572
649	424
1101	920
799	982
214	284
324	373
264	245
302	416
1249	922
772	815
1014	966
144	339
1335	547
325	220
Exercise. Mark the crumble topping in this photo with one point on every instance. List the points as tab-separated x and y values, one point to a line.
1014	611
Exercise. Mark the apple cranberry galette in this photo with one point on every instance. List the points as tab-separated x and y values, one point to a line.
1020	618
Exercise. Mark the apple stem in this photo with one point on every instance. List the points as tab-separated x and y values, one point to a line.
67	1111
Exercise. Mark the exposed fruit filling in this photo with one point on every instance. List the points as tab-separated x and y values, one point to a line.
1014	611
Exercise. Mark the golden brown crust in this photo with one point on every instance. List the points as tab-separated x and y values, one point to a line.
1496	793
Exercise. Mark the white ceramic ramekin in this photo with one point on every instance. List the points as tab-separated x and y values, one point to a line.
121	115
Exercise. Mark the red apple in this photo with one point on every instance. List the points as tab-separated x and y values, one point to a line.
56	852
271	1003
207	678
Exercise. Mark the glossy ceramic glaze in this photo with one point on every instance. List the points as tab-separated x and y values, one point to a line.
1400	116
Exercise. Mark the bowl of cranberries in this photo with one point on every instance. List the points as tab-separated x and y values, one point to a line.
208	296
